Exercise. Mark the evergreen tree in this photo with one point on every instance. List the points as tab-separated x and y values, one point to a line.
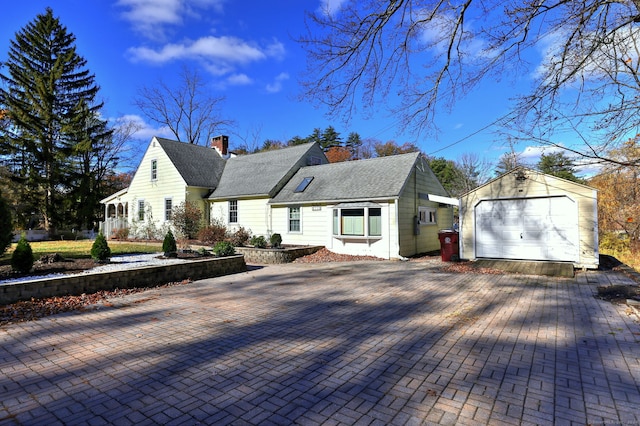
6	227
48	93
353	144
559	165
22	256
330	138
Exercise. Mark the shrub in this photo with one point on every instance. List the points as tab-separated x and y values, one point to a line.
6	227
100	250
213	233
121	233
224	248
169	243
275	240
240	237
22	257
614	242
187	219
258	241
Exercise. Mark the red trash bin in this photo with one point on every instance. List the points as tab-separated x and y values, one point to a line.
448	245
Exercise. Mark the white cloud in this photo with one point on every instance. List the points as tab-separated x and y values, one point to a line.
239	80
150	17
144	131
276	86
330	7
220	54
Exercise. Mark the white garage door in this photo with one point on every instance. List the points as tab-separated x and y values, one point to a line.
528	229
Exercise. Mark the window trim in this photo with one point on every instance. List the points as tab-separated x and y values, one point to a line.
154	169
427	215
290	220
338	222
233	211
141	211
167	217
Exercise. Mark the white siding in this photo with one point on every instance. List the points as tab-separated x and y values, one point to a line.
315	225
168	184
253	215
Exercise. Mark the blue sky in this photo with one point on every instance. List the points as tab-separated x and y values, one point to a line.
247	53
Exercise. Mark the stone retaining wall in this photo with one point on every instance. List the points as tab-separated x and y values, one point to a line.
272	256
146	276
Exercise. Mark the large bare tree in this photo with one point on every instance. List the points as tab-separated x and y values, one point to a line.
418	56
188	110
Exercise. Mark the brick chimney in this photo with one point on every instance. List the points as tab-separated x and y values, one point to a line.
220	144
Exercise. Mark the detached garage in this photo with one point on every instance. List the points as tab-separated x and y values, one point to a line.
528	215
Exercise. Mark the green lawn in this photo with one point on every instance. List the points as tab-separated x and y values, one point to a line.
81	249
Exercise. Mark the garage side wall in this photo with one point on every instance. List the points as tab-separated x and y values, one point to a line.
532	184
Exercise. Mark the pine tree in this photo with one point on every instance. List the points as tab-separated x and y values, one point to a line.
6	227
330	138
48	92
353	144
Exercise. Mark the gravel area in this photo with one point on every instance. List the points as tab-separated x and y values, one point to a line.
117	263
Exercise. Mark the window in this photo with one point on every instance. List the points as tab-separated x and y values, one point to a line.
154	169
141	210
427	215
167	208
294	219
361	222
233	211
303	185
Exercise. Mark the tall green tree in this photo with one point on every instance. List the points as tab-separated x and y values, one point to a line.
559	165
49	96
330	138
353	144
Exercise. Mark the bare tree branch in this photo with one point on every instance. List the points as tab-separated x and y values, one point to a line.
188	110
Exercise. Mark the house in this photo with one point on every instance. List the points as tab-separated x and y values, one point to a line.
170	173
248	182
389	207
528	215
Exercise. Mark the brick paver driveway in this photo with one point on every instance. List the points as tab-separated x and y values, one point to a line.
359	343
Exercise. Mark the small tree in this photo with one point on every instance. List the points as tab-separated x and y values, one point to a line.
22	257
169	244
100	250
6	227
187	218
275	240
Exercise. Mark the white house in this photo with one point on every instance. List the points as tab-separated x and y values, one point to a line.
170	173
248	182
389	207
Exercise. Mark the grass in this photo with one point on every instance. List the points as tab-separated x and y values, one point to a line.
80	249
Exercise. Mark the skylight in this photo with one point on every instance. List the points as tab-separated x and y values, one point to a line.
303	185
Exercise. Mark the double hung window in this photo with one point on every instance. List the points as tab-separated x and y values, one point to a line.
294	219
233	211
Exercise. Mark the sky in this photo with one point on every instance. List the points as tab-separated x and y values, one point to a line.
247	53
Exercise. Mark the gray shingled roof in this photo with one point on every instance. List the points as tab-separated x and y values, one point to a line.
260	173
375	178
198	165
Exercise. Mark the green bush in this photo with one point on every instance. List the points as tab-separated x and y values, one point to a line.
169	244
240	237
275	240
100	250
22	257
258	241
224	248
6	227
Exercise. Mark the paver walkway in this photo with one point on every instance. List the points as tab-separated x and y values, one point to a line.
361	343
